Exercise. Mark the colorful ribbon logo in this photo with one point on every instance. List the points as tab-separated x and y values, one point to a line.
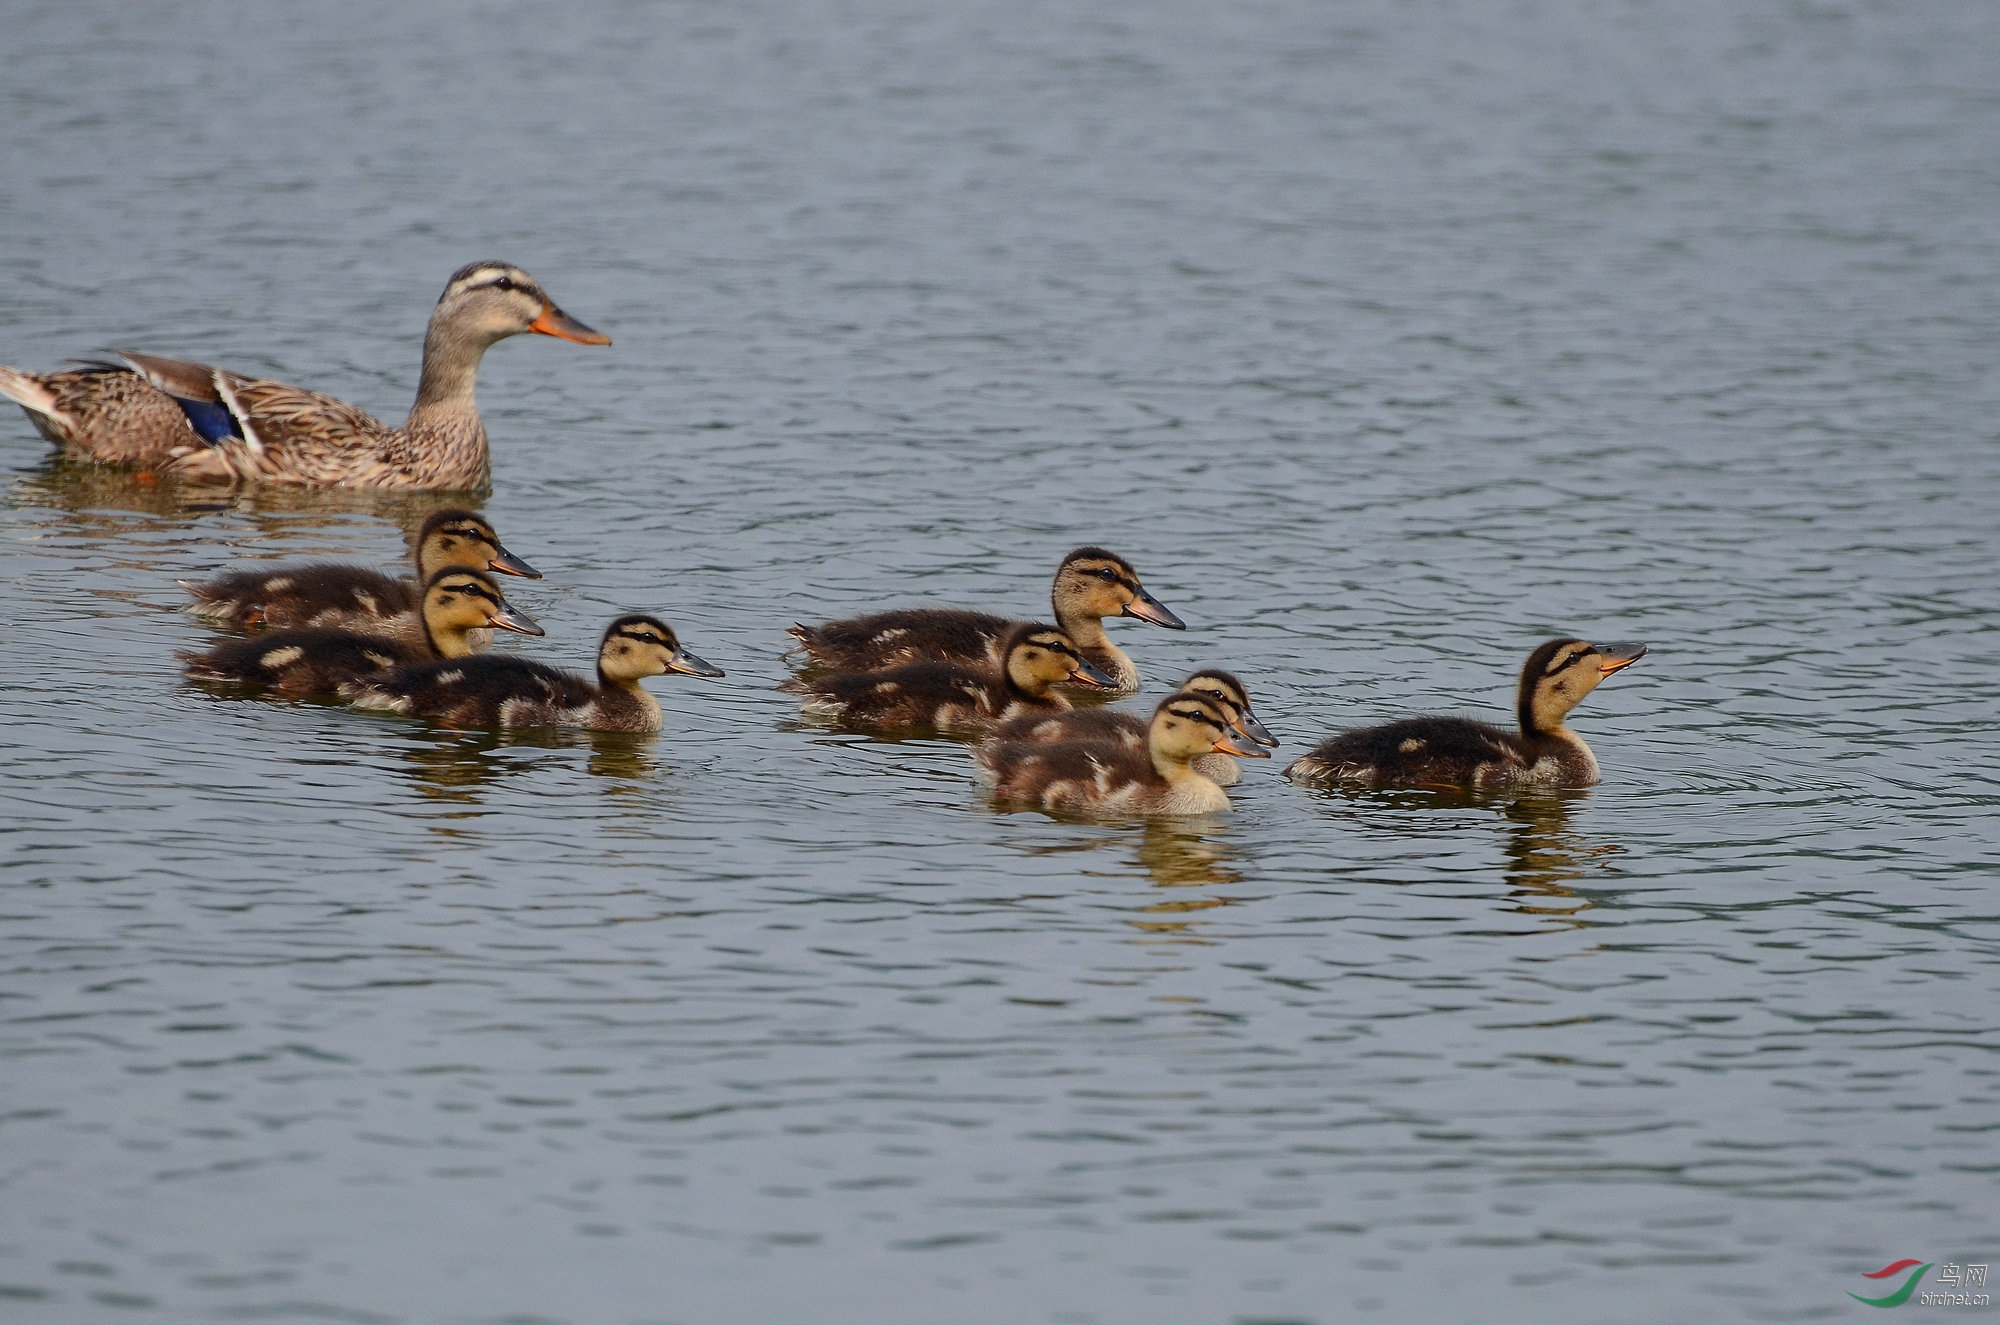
1901	1295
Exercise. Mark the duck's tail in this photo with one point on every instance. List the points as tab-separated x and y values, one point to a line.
27	391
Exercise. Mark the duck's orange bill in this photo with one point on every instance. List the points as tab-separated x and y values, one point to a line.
1231	744
1612	657
555	322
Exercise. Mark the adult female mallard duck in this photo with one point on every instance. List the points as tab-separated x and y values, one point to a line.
1112	777
338	596
458	600
1090	585
1130	729
1458	752
955	696
493	691
208	424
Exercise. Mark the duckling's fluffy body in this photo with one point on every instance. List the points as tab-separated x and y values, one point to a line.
1106	727
340	596
1462	753
906	635
950	697
324	593
490	690
1129	729
1448	752
300	663
1115	777
954	697
1094	777
1090	585
493	691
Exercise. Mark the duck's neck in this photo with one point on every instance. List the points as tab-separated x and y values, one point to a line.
626	705
1175	772
450	642
1187	791
1086	631
451	367
445	443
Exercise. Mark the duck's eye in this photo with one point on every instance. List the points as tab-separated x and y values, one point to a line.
1108	576
504	283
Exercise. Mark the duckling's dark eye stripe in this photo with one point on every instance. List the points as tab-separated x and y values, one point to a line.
1555	667
475	588
1195	715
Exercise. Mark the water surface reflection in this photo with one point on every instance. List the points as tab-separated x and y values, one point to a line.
464	766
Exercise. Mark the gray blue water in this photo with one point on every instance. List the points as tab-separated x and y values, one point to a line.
1386	340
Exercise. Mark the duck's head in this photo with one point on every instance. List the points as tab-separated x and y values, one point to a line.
461	598
639	646
1560	673
1039	657
464	538
1190	724
1096	584
1226	690
488	301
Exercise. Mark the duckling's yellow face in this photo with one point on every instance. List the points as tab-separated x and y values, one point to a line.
641	646
462	600
1560	673
459	599
1041	659
639	649
1191	724
1094	588
489	301
467	542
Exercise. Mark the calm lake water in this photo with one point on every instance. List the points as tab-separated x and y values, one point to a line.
1386	340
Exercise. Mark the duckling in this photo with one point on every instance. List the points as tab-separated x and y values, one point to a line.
1129	729
338	596
1090	585
297	663
1458	752
956	696
1111	777
492	691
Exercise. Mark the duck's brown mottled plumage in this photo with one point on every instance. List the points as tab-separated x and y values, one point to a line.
1115	777
271	432
102	412
338	596
1452	752
490	691
1090	585
954	697
297	664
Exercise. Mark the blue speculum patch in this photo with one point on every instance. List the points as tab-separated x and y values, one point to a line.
214	422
